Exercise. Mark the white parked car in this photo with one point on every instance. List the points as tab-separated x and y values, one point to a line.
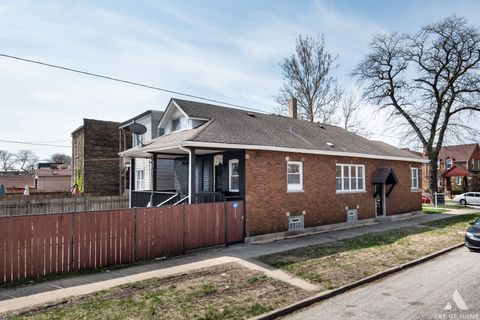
468	198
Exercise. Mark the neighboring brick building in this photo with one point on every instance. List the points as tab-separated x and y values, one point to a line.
292	173
95	160
459	168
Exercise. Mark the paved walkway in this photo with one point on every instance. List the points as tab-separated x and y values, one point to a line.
23	297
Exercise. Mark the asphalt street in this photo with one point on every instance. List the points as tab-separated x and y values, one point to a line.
426	291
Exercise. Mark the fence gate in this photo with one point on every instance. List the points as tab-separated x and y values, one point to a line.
234	213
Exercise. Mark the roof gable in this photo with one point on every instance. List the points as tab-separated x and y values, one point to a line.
462	152
456	171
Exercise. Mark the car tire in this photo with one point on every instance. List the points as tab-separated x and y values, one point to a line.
463	202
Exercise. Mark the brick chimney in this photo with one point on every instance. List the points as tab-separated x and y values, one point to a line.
292	108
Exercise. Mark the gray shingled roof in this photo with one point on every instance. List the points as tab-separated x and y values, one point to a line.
234	126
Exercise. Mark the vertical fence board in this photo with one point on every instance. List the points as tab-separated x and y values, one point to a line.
2	253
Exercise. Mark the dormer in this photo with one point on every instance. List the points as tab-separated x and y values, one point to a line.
175	119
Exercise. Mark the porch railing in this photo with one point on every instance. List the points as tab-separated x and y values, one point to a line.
140	199
208	197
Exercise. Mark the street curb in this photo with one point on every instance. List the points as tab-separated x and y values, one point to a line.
332	293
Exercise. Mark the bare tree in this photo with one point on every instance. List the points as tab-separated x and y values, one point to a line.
25	160
61	158
430	81
7	160
307	77
350	106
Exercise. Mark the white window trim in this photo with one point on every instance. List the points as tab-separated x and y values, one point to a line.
298	187
458	181
181	128
230	162
448	161
138	139
417	186
139	183
350	170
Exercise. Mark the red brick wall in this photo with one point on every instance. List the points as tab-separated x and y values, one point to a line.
267	199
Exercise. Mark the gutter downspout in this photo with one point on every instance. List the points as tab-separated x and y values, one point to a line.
189	173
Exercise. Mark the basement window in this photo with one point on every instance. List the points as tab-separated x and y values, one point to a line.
296	222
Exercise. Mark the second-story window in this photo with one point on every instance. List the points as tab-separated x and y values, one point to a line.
139	139
448	163
179	123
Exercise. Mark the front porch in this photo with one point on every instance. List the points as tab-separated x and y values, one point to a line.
190	175
458	180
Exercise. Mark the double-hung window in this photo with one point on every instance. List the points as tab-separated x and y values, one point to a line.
294	176
140	180
458	181
350	177
138	139
234	176
448	163
414	178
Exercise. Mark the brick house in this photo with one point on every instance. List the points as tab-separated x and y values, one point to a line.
95	160
459	168
291	173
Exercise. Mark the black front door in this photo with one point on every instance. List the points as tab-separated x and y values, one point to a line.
379	199
219	178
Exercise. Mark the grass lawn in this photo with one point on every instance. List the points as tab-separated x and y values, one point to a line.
342	262
454	206
224	292
433	210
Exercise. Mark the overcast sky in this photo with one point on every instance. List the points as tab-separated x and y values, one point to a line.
225	50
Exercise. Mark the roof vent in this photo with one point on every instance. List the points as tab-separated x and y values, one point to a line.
253	115
331	145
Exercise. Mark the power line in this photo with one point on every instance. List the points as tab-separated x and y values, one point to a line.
34	143
127	82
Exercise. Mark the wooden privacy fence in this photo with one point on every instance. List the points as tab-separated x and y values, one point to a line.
61	205
39	245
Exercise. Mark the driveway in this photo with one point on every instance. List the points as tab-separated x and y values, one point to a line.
424	292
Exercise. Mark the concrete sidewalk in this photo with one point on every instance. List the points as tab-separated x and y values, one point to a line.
16	298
